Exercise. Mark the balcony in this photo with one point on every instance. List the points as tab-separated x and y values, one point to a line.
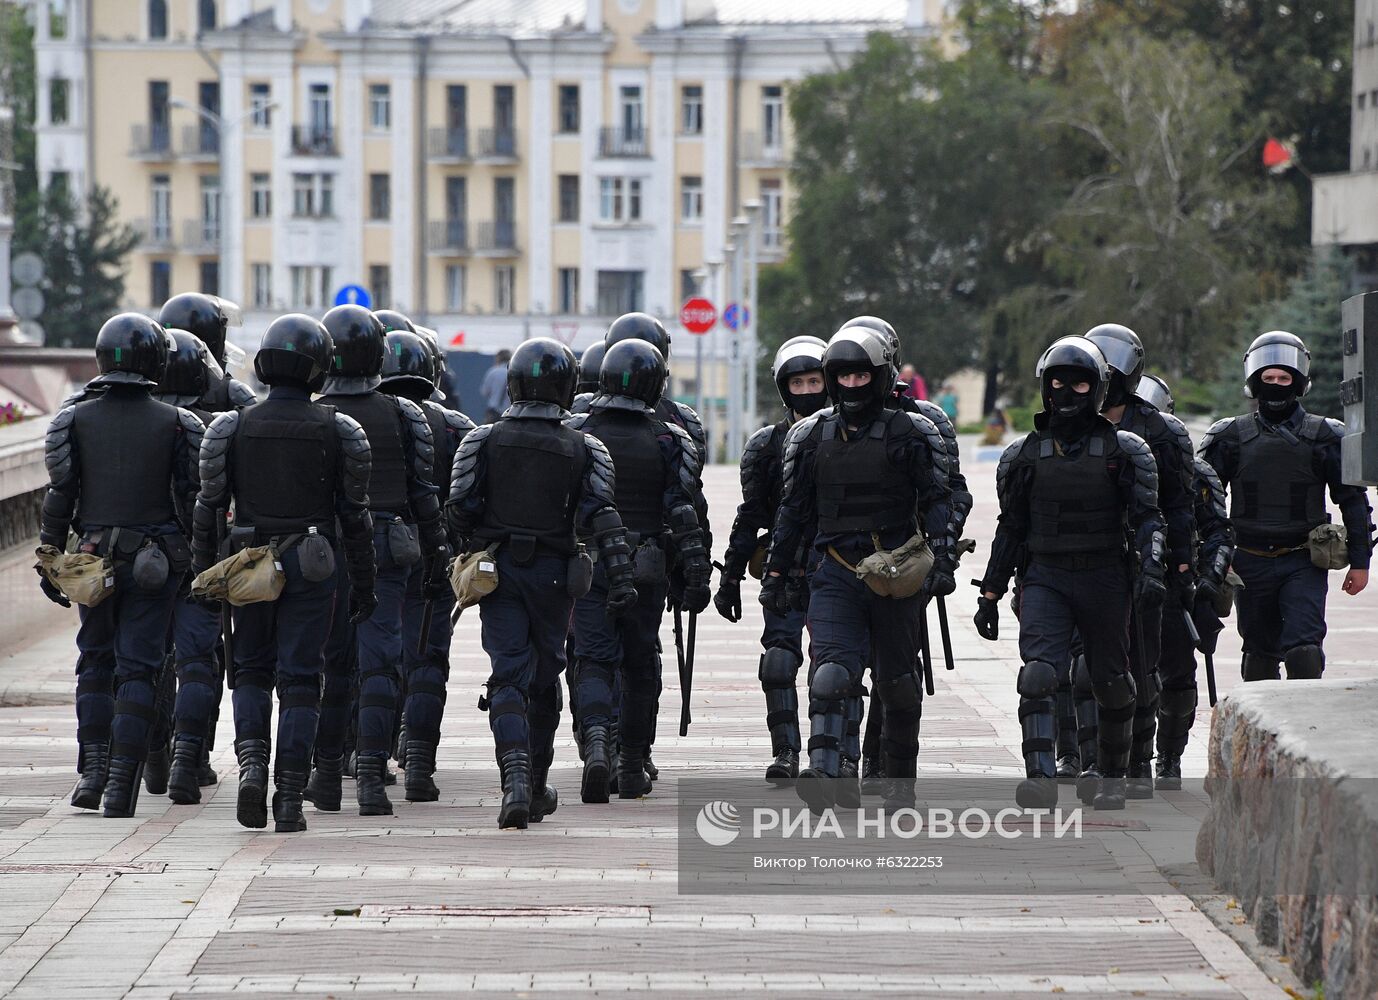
448	145
763	149
497	144
150	142
615	142
314	140
155	235
200	142
201	237
447	237
497	239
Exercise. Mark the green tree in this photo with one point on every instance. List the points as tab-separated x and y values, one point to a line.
17	75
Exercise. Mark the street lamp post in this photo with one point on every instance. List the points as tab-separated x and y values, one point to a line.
753	214
710	286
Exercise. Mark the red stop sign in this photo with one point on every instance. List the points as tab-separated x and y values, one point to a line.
698	315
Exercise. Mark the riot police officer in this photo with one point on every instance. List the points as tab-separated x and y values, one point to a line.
208	317
524	485
409	371
1071	492
1276	464
407	532
657	473
590	364
122	470
798	375
297	474
868	478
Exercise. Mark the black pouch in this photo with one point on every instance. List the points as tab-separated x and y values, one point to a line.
150	570
579	576
522	549
316	557
177	550
649	563
239	538
404	547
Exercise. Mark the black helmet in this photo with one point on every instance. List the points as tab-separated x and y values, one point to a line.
1154	391
394	320
589	365
1124	353
881	327
633	368
1277	349
190	367
432	341
203	316
296	350
795	357
133	344
858	350
358	338
407	361
640	326
1074	355
542	370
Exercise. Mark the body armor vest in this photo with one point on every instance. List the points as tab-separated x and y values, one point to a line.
124	451
858	487
1075	507
639	464
534	471
1277	495
217	397
382	423
772	462
283	464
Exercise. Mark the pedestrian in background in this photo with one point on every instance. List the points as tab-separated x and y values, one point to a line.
494	387
917	387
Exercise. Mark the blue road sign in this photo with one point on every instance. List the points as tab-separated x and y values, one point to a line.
735	316
354	295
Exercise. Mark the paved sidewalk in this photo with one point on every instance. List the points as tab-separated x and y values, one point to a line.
182	902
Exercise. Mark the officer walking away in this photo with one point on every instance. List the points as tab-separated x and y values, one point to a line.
657	473
521	488
1072	493
297	474
208	318
1276	464
121	470
407	533
798	375
870	478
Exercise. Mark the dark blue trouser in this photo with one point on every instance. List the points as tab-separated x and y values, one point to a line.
121	645
425	674
524	622
282	644
619	652
1177	670
1282	604
195	634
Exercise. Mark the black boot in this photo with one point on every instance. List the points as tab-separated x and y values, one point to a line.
156	769
1111	794
544	799
614	745
516	789
1038	791
872	776
784	768
652	772
252	807
205	774
420	758
632	782
1139	784
593	787
1068	759
182	784
898	793
287	815
323	790
369	786
1169	777
122	787
848	791
1088	785
95	768
817	783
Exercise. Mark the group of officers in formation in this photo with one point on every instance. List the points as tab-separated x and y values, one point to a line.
581	514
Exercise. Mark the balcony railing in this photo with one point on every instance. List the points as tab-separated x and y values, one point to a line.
497	143
497	237
155	235
447	143
314	140
201	236
768	147
447	237
200	140
616	141
151	142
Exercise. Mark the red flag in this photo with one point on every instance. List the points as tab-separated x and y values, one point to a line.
1276	156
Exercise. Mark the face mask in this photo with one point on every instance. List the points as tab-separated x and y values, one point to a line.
1276	400
807	403
1070	413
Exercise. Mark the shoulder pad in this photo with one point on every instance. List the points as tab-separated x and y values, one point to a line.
602	476
1132	445
1336	427
939	416
1007	460
757	445
692	423
63	419
57	445
1179	432
933	438
464	470
350	432
412	412
190	422
457	421
1217	430
1208	481
1145	466
582	402
240	394
683	439
803	429
576	421
358	457
691	465
214	455
223	427
422	437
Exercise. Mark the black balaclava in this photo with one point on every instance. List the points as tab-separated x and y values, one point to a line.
861	402
1276	402
806	404
1071	415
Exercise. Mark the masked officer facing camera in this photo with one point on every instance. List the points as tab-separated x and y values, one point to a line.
1276	464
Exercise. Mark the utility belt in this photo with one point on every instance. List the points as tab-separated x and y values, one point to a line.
475	575
87	576
251	571
1327	544
898	572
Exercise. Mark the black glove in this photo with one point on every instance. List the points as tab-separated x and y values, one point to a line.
773	596
621	597
437	583
1184	583
728	599
1149	591
361	606
696	599
198	567
987	618
698	572
797	594
1208	588
51	591
940	582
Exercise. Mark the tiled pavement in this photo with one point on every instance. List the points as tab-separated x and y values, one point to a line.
182	902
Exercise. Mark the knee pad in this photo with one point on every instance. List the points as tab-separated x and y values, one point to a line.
1037	679
830	682
298	694
1304	662
779	667
261	679
96	682
1116	691
1178	702
1255	667
198	671
902	694
1081	678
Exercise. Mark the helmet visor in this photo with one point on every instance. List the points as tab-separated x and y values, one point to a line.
1276	356
1118	355
1151	391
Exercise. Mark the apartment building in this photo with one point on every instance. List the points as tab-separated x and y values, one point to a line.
496	168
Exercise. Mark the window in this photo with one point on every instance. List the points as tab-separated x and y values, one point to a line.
160	209
260	196
159	281
210	277
691	199
260	101
380	285
773	116
205	15
456	279
262	284
327	189
208	134
504	107
691	110
159	130
59	90
620	292
619	199
631	112
772	208
569	108
569	289
504	288
57	22
379	107
157	19
321	112
380	197
310	287
569	197
313	195
688	286
210	208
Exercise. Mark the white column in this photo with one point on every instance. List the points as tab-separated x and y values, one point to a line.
590	121
661	289
539	183
404	262
232	200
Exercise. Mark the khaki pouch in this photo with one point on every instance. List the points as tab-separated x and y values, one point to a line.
1224	601
1328	544
250	576
756	565
895	573
474	576
84	577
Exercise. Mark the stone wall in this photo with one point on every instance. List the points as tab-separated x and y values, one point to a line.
19	519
